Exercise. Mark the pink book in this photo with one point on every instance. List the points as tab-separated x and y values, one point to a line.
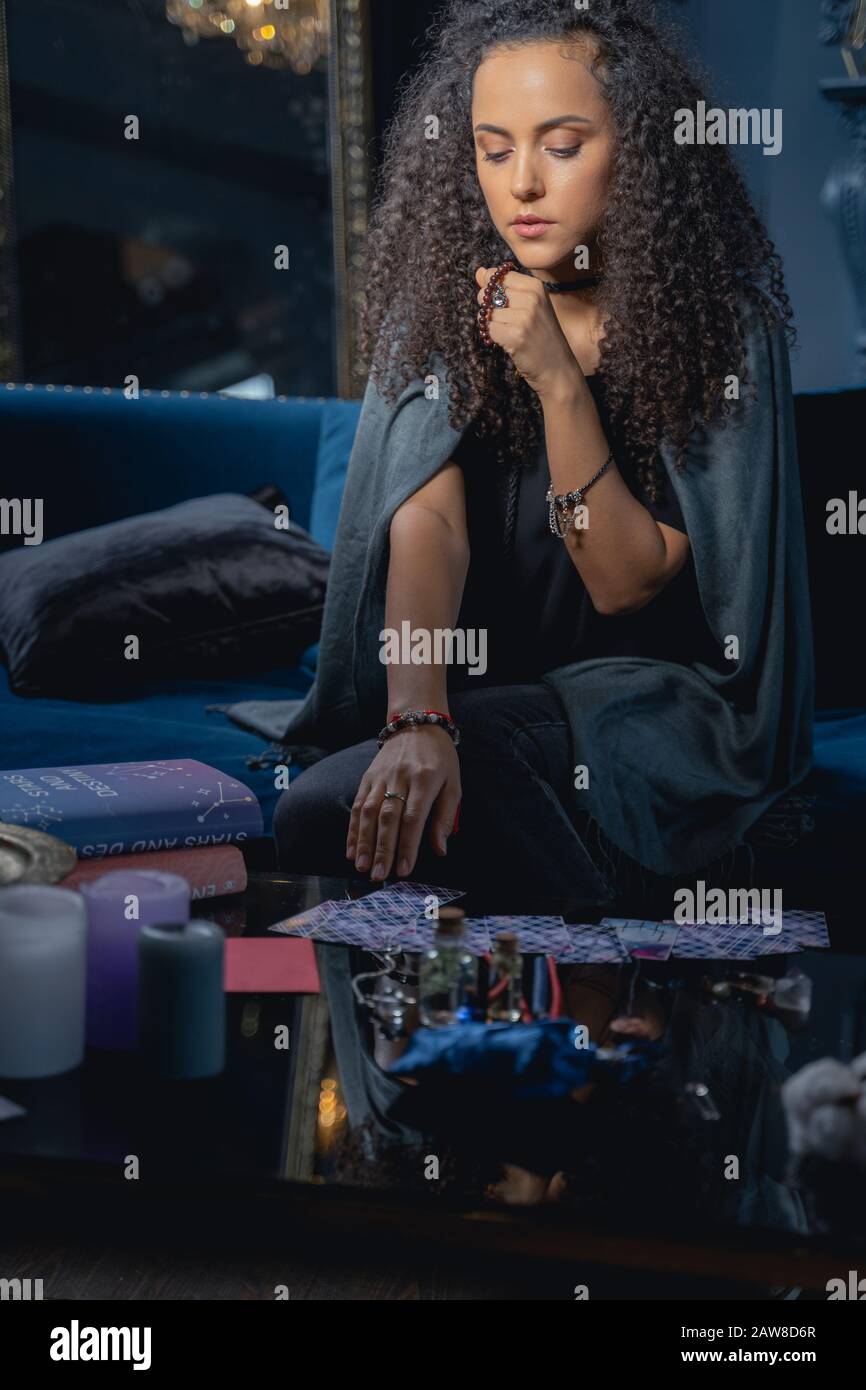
210	872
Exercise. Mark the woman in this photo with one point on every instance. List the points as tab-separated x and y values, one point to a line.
563	300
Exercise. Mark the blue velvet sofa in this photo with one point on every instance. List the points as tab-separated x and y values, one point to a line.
94	458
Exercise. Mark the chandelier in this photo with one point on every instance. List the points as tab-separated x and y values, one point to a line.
272	33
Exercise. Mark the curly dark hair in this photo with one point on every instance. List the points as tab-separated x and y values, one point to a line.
674	325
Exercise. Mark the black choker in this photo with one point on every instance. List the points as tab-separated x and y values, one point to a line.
560	286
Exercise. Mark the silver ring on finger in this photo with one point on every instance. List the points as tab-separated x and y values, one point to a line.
398	796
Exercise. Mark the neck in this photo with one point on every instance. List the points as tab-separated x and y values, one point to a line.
576	309
582	282
577	306
566	272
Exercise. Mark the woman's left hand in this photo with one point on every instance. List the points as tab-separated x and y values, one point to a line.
529	332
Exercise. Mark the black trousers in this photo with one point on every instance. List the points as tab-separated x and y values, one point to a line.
522	838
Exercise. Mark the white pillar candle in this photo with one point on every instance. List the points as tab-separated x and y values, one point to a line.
43	945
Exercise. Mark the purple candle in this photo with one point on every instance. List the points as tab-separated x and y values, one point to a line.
118	905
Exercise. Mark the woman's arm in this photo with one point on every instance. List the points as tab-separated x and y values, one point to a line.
623	555
429	560
427	571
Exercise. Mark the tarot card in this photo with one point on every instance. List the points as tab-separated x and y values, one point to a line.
361	923
390	922
403	902
478	936
419	935
591	945
702	942
807	928
643	940
544	936
303	923
340	921
404	888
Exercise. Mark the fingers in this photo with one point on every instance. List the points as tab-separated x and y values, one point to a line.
517	294
421	797
506	333
365	815
514	280
391	812
355	816
443	817
384	833
389	830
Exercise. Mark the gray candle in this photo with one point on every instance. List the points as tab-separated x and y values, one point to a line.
181	999
43	938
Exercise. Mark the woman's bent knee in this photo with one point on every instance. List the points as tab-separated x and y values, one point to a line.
311	818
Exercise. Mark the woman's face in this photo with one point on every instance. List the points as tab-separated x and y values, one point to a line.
544	143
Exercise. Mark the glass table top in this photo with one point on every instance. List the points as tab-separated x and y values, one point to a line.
696	1138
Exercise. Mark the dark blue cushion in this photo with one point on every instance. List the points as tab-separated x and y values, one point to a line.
209	587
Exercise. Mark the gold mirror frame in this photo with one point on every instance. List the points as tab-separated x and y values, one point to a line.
351	131
349	135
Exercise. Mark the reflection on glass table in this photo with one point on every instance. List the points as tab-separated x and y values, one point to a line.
693	1142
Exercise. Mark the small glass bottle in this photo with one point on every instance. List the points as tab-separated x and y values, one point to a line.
447	984
506	980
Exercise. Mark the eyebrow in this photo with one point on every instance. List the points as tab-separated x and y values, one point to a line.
543	125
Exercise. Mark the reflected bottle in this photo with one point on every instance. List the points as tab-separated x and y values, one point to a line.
506	980
447	983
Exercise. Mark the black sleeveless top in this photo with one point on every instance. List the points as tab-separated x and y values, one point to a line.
533	603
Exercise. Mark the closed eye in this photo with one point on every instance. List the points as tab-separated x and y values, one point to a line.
566	152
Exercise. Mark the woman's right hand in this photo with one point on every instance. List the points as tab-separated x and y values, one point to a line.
421	763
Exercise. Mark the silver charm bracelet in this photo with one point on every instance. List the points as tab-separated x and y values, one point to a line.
561	502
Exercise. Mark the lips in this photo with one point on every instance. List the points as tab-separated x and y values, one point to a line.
531	229
530	220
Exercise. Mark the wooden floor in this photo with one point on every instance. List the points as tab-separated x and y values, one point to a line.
82	1272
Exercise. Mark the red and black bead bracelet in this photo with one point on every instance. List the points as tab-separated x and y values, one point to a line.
487	306
409	717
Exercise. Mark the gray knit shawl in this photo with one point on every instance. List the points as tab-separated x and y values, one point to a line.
682	760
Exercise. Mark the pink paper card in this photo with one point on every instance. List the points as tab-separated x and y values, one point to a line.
270	965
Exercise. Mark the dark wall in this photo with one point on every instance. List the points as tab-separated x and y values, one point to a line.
756	53
769	54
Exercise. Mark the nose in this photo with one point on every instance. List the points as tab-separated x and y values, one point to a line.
526	181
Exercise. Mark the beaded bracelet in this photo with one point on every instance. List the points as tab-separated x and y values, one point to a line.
493	297
410	717
562	501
